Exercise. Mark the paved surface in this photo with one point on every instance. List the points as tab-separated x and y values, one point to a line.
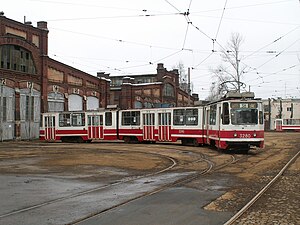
173	206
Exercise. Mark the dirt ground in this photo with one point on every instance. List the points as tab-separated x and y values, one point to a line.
257	171
32	157
31	171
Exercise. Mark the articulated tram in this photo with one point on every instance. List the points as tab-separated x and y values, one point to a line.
231	123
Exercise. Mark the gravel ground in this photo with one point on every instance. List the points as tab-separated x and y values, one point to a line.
280	204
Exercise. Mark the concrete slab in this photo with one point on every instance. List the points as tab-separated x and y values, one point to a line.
182	206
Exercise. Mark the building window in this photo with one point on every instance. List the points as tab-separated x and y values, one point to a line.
168	90
138	105
16	58
29	112
4	111
289	109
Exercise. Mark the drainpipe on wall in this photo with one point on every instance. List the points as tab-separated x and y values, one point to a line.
1	112
280	110
269	114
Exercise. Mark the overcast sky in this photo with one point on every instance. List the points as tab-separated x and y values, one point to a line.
132	36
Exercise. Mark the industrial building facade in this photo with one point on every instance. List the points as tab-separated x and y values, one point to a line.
32	83
286	109
158	90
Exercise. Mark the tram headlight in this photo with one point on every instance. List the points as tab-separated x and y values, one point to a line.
235	135
254	135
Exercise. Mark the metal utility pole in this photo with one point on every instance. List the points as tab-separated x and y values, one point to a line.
189	86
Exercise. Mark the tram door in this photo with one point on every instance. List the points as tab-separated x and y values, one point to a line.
278	125
207	112
164	126
148	126
49	122
95	127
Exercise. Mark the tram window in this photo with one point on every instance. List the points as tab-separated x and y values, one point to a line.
164	119
213	115
95	120
108	119
78	119
65	120
191	116
131	118
179	117
225	113
261	119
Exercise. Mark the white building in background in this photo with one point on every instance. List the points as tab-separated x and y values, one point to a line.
286	109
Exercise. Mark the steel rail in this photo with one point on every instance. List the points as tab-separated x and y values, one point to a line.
184	180
174	163
261	192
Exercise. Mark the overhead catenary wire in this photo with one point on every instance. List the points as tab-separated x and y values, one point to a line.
246	6
221	20
177	49
174	7
277	55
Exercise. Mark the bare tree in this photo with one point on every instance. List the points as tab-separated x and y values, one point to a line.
228	75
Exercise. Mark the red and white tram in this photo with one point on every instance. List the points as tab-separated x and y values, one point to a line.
232	123
163	125
79	126
287	125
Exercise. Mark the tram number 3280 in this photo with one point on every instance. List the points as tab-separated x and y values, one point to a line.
245	135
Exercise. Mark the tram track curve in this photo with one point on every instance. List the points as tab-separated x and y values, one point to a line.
172	165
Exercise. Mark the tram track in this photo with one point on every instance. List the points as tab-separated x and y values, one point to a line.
199	158
182	181
172	165
243	210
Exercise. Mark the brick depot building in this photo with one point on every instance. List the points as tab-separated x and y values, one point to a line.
32	83
158	90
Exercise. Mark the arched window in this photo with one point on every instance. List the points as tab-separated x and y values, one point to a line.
55	102
148	105
168	90
92	103
138	105
14	57
75	102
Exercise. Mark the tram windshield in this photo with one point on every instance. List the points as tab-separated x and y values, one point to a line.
244	113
